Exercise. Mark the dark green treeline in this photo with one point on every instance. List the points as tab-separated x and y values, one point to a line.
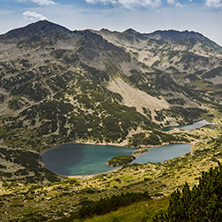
201	203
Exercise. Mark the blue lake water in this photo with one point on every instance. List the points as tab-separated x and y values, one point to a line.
82	159
162	153
195	125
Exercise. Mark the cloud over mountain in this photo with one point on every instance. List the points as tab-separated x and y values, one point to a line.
31	15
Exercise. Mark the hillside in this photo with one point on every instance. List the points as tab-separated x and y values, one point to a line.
24	167
70	199
201	203
184	60
61	86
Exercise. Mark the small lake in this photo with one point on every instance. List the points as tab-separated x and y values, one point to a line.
162	153
82	159
195	125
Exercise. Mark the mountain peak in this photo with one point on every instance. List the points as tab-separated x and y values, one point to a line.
104	30
175	34
40	28
130	31
133	33
179	36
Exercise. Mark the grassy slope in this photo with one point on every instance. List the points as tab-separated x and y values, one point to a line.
142	211
58	200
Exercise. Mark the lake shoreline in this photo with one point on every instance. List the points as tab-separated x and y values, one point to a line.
85	143
90	176
109	144
118	167
122	144
93	175
148	147
183	127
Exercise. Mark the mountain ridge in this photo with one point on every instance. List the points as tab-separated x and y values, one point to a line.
38	27
45	25
169	35
54	81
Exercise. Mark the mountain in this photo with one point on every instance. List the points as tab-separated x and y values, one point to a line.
24	166
167	36
189	58
191	37
59	86
37	32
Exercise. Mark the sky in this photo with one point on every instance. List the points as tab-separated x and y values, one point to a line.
145	16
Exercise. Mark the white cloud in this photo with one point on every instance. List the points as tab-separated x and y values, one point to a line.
170	2
175	3
102	1
31	15
214	3
40	2
130	4
179	5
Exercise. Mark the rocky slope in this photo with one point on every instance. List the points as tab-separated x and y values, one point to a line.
188	58
60	86
23	166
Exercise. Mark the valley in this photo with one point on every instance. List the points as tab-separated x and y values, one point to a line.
62	199
59	86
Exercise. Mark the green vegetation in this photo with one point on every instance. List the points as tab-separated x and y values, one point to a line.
121	160
140	138
213	73
23	166
141	151
141	211
77	108
144	82
176	112
62	199
16	103
201	203
104	206
155	137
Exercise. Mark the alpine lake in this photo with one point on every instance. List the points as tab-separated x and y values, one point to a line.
84	159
